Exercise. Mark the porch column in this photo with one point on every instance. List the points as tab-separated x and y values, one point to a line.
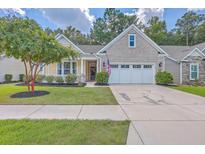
62	68
81	66
71	67
97	65
100	65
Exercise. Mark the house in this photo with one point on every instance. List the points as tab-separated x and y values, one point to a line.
132	58
10	66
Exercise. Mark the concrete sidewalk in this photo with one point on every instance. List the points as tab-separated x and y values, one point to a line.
111	112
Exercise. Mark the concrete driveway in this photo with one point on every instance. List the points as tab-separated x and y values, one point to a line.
161	115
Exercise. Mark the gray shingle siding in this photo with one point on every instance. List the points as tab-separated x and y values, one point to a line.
144	52
174	68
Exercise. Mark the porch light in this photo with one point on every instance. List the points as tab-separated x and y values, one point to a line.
160	64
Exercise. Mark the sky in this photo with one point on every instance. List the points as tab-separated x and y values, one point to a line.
83	18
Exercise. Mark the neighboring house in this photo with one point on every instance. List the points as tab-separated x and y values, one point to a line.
10	66
133	58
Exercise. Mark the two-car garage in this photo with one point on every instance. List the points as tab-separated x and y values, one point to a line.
132	73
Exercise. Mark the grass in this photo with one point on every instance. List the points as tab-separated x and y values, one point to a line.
59	95
45	132
197	90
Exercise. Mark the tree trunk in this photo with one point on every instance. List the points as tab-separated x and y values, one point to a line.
34	78
187	39
26	75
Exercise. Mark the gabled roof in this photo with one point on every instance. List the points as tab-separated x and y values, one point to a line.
176	52
140	33
195	50
58	36
179	52
91	49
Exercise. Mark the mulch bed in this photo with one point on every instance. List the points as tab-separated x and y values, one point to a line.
29	94
101	84
55	84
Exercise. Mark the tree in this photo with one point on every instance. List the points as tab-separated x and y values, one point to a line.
174	38
100	32
187	25
23	39
112	24
156	30
199	36
48	31
75	35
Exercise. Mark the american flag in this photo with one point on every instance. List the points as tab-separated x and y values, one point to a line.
108	67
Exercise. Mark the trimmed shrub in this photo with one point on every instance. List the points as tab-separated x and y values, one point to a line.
40	78
102	77
49	79
164	78
21	77
8	77
70	78
59	79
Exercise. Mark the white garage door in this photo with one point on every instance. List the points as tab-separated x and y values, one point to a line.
132	73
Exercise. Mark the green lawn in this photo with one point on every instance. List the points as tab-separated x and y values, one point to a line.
192	89
66	132
59	95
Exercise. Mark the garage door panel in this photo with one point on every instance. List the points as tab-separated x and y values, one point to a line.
125	75
147	76
114	76
132	73
136	75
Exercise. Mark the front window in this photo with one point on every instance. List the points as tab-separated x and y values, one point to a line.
131	40
66	68
59	68
194	71
74	68
136	66
147	66
114	66
124	66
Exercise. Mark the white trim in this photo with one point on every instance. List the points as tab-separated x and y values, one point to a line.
139	32
180	72
193	64
134	40
100	65
130	63
189	54
81	66
203	50
164	64
154	73
69	41
89	58
172	58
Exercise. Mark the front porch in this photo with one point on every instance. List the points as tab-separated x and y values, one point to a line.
89	67
85	68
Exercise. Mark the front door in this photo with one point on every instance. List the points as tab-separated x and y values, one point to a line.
91	70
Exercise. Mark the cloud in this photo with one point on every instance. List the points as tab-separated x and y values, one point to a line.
195	9
145	14
14	11
78	18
